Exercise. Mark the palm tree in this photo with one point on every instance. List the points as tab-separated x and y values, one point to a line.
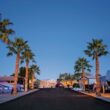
16	48
77	76
82	65
28	56
66	77
32	70
5	31
96	49
21	75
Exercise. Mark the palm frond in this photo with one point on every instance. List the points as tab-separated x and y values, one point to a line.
94	47
80	64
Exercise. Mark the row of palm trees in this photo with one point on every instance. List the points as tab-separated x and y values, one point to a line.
95	49
21	49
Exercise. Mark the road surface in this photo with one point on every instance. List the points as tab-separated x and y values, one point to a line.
55	99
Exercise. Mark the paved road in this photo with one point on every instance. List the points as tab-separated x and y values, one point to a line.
56	99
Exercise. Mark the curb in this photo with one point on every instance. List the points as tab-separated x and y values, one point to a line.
19	96
97	97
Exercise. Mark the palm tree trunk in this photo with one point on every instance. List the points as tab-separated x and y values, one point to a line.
83	78
97	76
16	74
33	81
26	77
71	83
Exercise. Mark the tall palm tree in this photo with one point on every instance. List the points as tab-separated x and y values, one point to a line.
96	49
21	75
32	70
82	65
5	31
16	48
27	56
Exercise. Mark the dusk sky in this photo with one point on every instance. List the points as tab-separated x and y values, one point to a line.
57	31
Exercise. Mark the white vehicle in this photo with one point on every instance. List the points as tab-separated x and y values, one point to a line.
7	88
77	87
105	81
20	88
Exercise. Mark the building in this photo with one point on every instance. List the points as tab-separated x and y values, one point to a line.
69	83
8	79
47	83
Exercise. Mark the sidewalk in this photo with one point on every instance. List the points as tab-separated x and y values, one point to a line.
104	97
8	97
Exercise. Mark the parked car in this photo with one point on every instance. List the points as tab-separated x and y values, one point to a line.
7	87
59	85
20	88
76	87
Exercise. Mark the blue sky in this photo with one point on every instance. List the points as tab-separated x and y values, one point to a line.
57	31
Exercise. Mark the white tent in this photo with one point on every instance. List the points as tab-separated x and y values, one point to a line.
108	75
